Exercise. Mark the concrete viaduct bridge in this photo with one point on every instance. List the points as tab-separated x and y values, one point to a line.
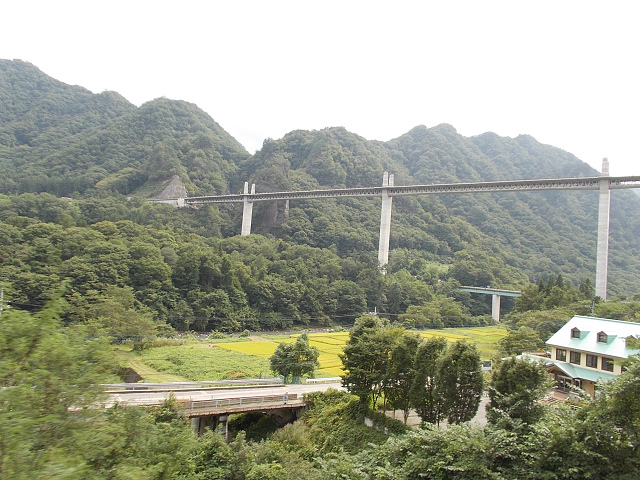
210	404
495	293
604	184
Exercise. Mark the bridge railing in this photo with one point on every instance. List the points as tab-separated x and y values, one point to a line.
579	183
230	403
323	380
185	386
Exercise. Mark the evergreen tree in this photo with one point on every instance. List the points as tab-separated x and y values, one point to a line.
586	289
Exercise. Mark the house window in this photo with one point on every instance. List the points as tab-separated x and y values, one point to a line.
561	354
574	357
607	364
602	337
592	361
575	333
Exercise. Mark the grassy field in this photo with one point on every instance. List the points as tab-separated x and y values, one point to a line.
206	360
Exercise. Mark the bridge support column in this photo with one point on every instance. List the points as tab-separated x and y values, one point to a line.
495	307
247	209
385	222
199	424
602	258
223	425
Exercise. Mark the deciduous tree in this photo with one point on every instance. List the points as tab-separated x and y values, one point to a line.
365	358
515	388
295	359
520	340
426	396
400	372
461	381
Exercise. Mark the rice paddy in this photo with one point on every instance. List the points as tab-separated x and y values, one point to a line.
206	360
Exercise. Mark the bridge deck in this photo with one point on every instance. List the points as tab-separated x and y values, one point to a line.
201	402
491	291
198	408
584	183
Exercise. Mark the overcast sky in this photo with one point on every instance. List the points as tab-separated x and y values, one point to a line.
564	72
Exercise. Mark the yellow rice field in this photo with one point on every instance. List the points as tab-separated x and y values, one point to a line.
330	345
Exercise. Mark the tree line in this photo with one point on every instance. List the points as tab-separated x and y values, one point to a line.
396	368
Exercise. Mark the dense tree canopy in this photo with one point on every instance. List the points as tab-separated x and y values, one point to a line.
47	368
460	382
365	358
426	392
515	390
395	366
69	142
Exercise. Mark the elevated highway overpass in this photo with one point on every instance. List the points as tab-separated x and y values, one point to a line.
603	183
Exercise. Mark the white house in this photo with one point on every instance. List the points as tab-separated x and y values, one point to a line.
588	349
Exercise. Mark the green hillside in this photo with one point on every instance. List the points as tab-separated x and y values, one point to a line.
533	233
65	140
93	275
99	148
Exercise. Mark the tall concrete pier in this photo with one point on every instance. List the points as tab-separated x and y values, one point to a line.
602	258
385	221
247	209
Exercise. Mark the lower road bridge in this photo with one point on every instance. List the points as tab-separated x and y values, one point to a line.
214	414
211	407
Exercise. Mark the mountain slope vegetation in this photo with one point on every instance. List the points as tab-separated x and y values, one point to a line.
99	148
536	233
65	140
107	267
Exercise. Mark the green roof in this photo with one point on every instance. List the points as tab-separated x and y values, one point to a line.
571	370
590	327
574	371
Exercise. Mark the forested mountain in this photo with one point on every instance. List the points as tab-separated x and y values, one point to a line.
312	259
64	140
538	232
535	233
